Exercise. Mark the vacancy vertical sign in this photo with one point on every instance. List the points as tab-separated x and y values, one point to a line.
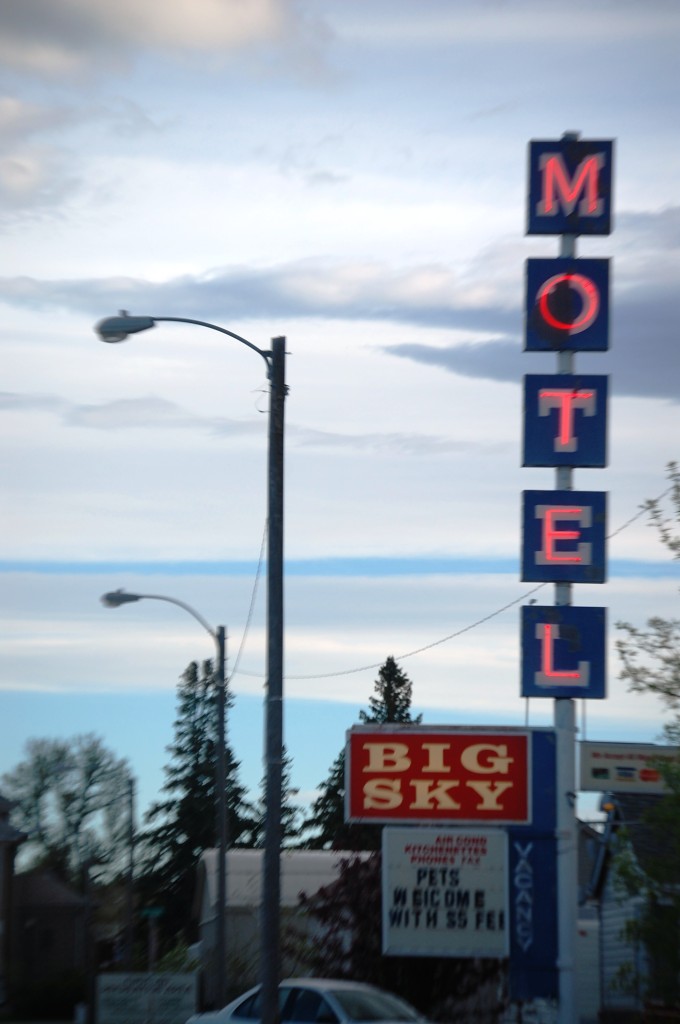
565	426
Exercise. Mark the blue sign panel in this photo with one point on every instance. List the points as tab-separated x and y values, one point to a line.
563	651
566	305
570	187
565	420
563	536
532	854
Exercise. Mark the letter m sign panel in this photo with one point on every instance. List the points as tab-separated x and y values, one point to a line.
570	187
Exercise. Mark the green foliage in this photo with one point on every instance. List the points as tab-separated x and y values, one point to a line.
177	960
391	703
651	870
651	659
651	655
665	524
72	799
185	823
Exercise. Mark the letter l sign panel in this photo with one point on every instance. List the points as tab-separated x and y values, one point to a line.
563	651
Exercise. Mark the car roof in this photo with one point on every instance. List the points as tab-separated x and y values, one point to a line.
327	983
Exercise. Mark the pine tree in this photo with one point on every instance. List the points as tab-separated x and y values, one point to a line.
183	825
290	813
391	702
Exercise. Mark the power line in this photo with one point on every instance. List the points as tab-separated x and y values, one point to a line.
451	636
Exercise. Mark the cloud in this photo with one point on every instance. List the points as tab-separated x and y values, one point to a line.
480	304
40	36
37	171
153	413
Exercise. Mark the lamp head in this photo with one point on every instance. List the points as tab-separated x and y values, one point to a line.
115	598
117	328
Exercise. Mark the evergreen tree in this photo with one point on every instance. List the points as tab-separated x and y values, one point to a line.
392	699
390	703
289	811
184	824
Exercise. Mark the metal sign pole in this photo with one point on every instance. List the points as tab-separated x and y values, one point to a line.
564	718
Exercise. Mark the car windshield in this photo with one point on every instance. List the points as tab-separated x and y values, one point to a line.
365	1005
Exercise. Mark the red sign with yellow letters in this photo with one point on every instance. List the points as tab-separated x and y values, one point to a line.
445	774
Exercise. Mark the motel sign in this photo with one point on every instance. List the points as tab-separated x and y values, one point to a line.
565	417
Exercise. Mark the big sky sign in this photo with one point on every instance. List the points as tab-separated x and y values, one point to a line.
413	774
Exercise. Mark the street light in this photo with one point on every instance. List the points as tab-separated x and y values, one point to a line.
116	598
116	329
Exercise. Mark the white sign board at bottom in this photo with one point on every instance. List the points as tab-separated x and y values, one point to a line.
145	998
445	892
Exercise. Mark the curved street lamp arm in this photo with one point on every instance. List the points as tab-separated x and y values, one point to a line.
223	330
181	604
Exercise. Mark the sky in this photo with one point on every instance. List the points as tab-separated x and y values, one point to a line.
351	174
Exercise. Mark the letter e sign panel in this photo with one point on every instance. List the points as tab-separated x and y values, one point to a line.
404	775
564	536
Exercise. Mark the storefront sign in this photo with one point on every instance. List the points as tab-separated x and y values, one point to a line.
412	773
624	767
445	892
145	998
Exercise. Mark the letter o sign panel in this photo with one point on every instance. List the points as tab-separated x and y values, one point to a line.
567	305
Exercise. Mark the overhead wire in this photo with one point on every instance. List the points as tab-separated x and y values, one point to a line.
435	643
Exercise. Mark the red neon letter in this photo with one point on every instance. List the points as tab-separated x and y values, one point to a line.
561	191
588	293
548	675
565	401
551	536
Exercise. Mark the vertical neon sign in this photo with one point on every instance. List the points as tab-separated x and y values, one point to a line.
565	414
564	531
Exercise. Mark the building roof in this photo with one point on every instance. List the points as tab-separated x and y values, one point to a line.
43	889
301	871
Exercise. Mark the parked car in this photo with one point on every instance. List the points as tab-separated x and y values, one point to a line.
318	1001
